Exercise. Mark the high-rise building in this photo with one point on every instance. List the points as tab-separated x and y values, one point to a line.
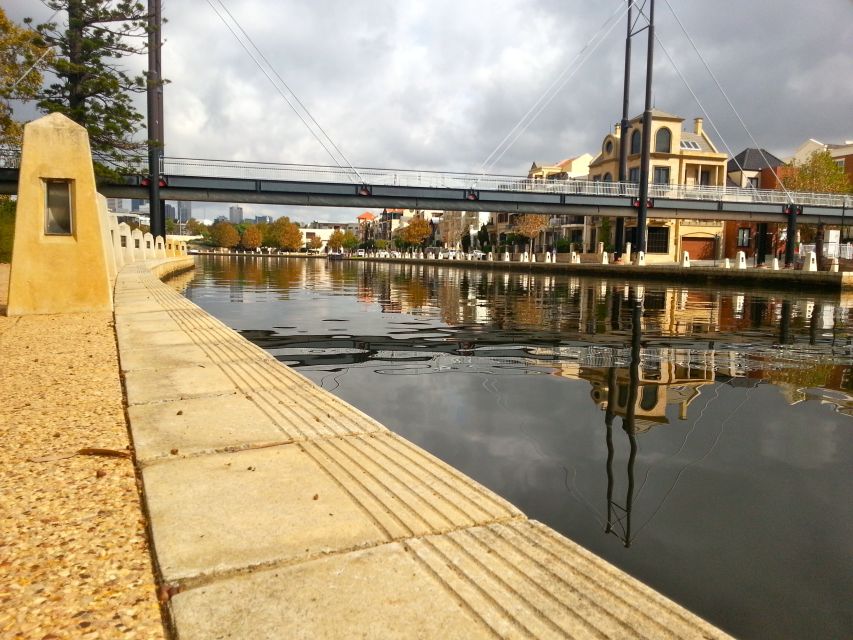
116	205
263	219
185	210
235	214
170	212
135	205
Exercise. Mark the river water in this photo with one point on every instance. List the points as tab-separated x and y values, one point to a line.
700	439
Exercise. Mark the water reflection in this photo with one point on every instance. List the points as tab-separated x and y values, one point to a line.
698	438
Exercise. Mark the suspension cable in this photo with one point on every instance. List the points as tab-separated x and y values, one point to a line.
728	100
286	86
544	99
280	92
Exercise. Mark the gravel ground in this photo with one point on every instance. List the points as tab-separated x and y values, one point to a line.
74	560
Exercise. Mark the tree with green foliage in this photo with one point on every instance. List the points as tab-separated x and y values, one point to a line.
22	60
193	227
350	241
7	230
223	234
336	240
89	84
818	174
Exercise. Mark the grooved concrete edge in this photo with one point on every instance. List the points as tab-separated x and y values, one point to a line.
263	490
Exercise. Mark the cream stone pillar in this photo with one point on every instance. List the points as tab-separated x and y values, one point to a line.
148	246
183	248
104	222
115	241
138	245
125	242
58	259
159	247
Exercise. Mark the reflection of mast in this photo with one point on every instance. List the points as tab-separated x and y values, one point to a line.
627	425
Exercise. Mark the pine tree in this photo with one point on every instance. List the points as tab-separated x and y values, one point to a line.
90	86
21	63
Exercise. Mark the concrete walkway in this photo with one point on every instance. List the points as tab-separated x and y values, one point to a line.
280	511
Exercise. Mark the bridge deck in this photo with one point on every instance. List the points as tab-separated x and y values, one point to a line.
278	510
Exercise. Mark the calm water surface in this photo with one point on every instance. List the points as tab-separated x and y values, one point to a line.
699	439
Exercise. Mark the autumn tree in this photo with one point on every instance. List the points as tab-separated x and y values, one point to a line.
22	59
251	237
284	234
89	84
530	226
223	234
818	174
336	240
416	232
315	242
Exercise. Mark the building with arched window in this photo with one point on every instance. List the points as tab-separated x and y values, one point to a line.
677	157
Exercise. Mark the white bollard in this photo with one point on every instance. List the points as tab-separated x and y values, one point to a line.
491	257
439	256
554	256
812	261
741	260
600	247
685	259
727	264
547	258
641	258
532	257
574	258
506	256
775	264
834	265
626	257
604	257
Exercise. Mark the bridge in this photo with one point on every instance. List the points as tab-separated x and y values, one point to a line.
205	180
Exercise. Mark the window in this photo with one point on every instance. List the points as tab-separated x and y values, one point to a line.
136	243
608	177
743	237
635	142
57	208
661	175
839	162
596	178
752	183
634	175
705	178
123	241
608	147
663	140
658	240
690	145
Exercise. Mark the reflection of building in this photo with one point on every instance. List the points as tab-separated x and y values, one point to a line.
678	157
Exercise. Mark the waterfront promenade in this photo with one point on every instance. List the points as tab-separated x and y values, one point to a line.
276	509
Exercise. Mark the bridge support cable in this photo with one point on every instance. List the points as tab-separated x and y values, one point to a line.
257	56
728	100
553	89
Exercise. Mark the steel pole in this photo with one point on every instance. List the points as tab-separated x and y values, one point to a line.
642	211
623	129
791	236
155	210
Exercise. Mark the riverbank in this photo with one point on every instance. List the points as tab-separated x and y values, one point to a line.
74	559
764	278
278	510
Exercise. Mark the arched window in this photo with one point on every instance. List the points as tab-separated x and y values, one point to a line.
608	177
635	142
608	147
663	140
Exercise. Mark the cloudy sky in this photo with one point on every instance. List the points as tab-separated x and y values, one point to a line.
439	84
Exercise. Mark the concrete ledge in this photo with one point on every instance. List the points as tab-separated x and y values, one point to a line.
279	511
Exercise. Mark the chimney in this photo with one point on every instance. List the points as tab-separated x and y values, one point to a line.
698	126
616	129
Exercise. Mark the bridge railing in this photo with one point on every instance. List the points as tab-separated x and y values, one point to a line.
195	167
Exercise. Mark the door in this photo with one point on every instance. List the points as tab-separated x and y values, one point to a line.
698	248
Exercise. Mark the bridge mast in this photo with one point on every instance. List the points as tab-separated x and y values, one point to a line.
155	119
642	212
623	132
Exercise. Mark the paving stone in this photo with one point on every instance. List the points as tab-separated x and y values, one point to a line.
381	592
162	357
228	511
148	385
199	424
